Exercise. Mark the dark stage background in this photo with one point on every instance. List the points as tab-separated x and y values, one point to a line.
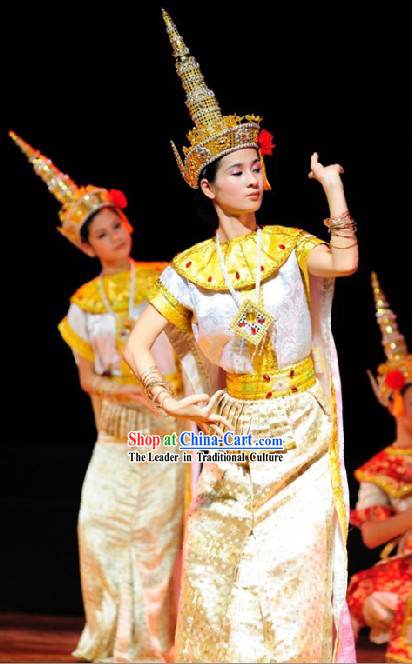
103	103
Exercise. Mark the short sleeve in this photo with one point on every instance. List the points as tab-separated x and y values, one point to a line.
73	329
373	503
170	296
303	248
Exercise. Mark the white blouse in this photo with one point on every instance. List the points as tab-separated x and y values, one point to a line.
283	297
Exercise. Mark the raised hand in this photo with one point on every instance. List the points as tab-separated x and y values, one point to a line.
326	175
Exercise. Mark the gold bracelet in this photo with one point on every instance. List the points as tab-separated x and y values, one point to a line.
348	247
341	222
152	378
340	217
150	369
335	234
162	401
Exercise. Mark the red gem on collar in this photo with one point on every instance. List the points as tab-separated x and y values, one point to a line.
209	279
282	246
269	394
188	264
266	377
237	275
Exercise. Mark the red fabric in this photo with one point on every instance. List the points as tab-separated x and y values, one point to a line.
265	142
395	379
118	198
390	471
394	575
376	512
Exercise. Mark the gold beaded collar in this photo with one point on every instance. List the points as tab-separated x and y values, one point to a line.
116	286
200	264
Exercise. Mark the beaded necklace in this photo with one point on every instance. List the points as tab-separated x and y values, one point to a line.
126	325
252	321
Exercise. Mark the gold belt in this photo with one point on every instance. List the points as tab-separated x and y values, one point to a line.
294	378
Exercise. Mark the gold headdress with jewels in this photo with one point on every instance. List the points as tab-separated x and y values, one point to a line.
214	135
78	203
396	372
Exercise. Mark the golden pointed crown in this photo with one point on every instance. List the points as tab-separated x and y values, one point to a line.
78	203
397	370
214	134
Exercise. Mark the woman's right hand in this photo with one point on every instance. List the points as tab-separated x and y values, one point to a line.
198	408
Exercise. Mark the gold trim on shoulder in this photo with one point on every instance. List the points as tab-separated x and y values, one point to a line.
75	342
401	451
200	263
116	287
167	305
305	245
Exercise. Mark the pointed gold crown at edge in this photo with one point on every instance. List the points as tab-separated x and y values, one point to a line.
396	351
214	135
78	203
58	183
392	340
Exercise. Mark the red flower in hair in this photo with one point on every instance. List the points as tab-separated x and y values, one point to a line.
265	142
118	198
395	379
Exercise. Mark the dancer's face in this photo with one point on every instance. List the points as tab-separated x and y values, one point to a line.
407	418
407	397
109	237
238	187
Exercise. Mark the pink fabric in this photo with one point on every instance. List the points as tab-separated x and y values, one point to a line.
346	646
321	294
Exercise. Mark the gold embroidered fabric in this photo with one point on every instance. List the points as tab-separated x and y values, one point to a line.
116	287
130	536
200	264
295	378
257	573
131	514
391	470
303	248
74	340
170	307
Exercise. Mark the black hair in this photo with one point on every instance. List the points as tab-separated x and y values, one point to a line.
84	231
204	207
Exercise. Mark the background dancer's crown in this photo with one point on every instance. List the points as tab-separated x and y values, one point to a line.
78	203
396	372
214	134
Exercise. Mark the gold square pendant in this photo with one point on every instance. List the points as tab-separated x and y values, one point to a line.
251	322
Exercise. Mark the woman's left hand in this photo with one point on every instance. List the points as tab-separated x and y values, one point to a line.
326	175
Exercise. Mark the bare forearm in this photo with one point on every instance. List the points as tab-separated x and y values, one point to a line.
375	533
343	244
335	195
98	386
139	358
93	384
